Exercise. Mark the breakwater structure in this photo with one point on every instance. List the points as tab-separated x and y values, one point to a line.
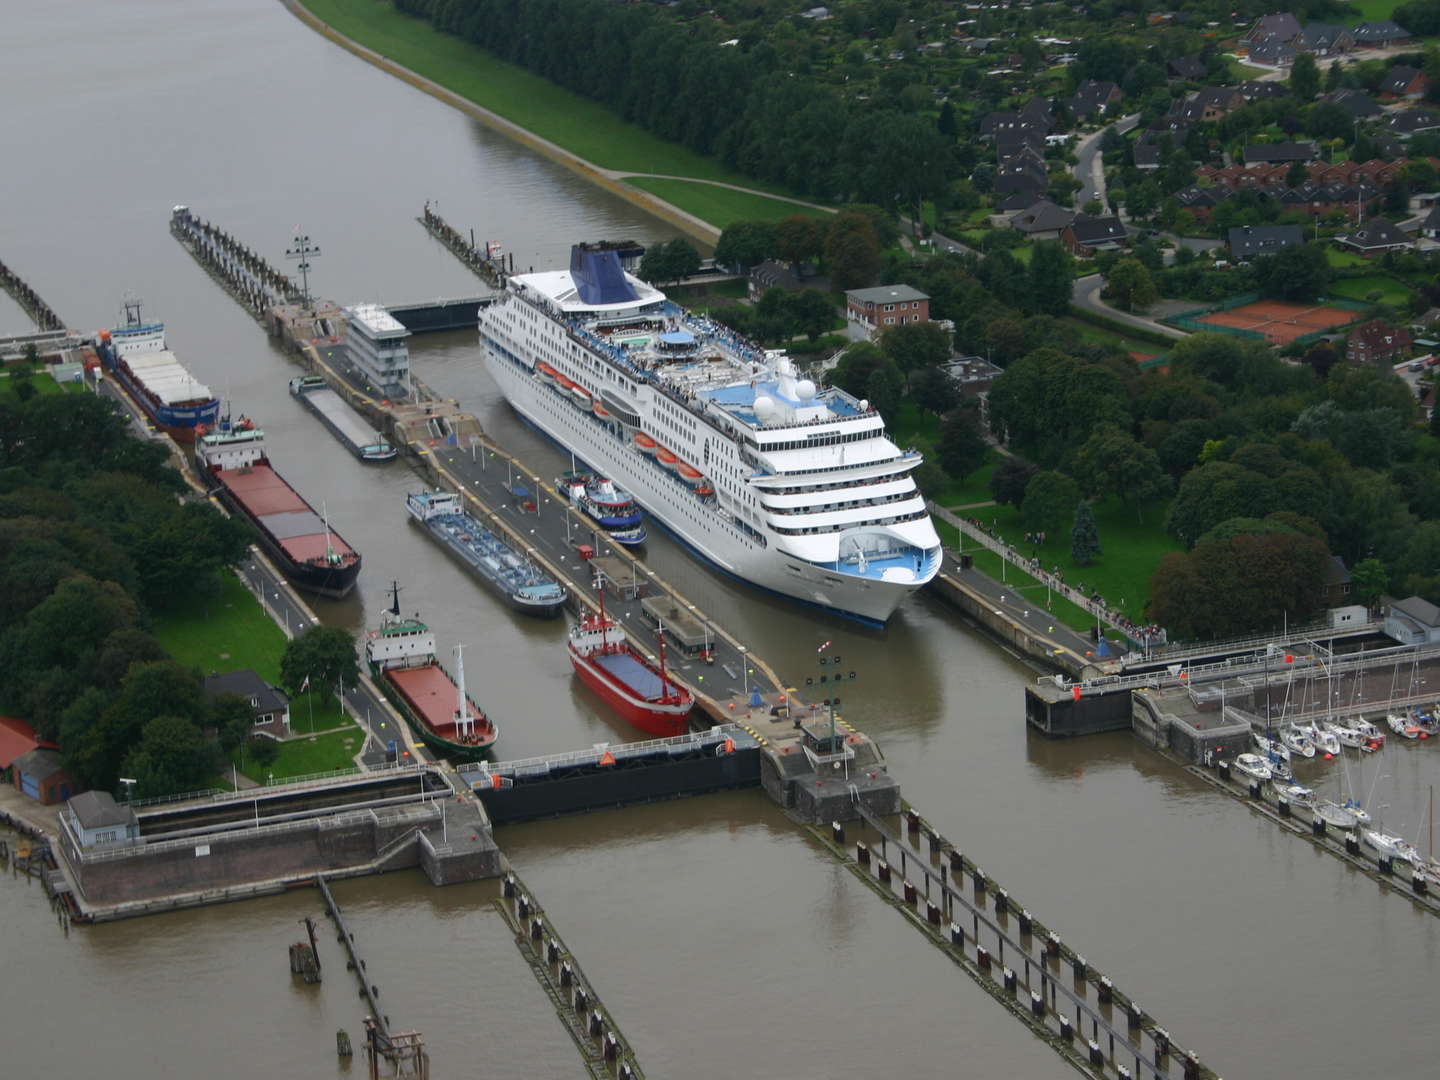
603	1048
244	274
484	260
1018	960
40	313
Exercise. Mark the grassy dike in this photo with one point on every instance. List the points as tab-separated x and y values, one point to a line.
568	128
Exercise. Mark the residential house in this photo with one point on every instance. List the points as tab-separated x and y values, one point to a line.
1186	68
1042	221
1201	201
972	375
16	738
1085	235
1383	34
1324	39
95	819
1272	153
40	774
771	274
1388	144
1092	97
1377	342
269	707
1010	144
1207	105
1402	81
1376	237
1018	200
1413	621
869	311
1038	114
1274	52
1023	172
1335	582
1253	90
1430	224
1284	26
1247	241
1357	103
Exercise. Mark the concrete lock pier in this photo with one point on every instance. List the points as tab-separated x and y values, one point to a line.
41	313
485	261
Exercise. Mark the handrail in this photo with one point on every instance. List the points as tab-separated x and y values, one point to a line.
697	739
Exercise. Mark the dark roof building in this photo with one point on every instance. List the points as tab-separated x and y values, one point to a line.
1092	97
1275	153
1247	241
41	775
1410	122
1257	90
1041	218
1403	81
1355	102
1324	39
1413	621
1086	235
1377	342
96	818
269	707
1376	235
1380	33
1282	25
1190	68
1273	51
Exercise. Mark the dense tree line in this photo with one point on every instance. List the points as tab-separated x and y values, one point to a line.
94	540
743	104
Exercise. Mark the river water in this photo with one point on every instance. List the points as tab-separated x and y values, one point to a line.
721	937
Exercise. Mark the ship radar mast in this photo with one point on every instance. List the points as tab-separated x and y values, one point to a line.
463	723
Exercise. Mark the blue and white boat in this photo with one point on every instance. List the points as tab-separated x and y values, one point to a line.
506	572
136	355
614	509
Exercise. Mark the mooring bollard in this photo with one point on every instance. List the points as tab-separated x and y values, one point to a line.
1135	1014
1192	1067
1225	771
910	893
626	1072
862	853
982	957
582	1000
1123	1072
1419	884
1283	805
1026	923
882	869
932	913
567	974
612	1047
1097	1056
977	876
912	820
957	935
1037	1004
552	951
1161	1038
1317	827
597	1023
1255	790
957	862
1067	1030
507	887
537	928
1052	946
1077	966
1002	901
936	843
1386	865
1105	991
1010	981
837	833
1352	845
522	906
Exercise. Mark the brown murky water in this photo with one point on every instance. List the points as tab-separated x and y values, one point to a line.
721	937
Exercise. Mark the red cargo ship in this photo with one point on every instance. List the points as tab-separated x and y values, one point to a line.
630	684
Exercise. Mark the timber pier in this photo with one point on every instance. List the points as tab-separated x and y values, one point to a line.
485	261
41	313
245	275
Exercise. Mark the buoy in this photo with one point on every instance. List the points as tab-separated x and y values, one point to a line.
607	758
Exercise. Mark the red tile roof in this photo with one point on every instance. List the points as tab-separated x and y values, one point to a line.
16	738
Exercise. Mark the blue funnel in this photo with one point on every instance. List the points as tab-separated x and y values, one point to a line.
1102	647
755	699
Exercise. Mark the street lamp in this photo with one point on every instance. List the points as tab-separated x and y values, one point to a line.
129	783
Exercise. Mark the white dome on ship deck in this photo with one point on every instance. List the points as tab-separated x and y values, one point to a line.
805	390
764	406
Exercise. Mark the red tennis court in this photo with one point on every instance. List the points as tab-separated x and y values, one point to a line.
1279	321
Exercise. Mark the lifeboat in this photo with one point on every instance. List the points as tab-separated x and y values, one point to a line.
562	381
689	473
600	410
581	394
644	443
666	457
545	371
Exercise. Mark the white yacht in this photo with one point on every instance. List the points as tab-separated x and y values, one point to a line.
786	485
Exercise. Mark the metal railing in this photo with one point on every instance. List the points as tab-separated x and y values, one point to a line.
696	739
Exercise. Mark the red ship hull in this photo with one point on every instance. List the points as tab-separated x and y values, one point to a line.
653	718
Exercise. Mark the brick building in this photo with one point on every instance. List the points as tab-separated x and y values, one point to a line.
869	311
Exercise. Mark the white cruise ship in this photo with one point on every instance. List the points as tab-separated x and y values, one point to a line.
790	487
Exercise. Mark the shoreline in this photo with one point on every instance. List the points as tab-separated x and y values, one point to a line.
666	211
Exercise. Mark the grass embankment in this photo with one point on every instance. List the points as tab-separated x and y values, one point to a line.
1340	259
231	632
718	205
1375	10
1099	335
1132	551
574	123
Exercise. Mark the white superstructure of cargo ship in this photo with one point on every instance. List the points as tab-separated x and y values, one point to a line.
794	488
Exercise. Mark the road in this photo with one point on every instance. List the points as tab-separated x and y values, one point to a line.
1090	167
1087	296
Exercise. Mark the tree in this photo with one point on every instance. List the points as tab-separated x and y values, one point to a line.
231	718
1129	285
852	373
1369	578
669	261
1111	462
913	347
1052	278
325	655
1301	272
962	447
173	756
1333	76
1050	499
934	391
852	251
1011	476
885	387
1305	77
799	237
1084	536
811	312
745	243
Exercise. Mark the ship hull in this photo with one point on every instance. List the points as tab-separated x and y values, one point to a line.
368	453
662	721
436	743
177	422
668	502
546	610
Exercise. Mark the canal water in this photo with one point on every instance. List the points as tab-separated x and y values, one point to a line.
722	938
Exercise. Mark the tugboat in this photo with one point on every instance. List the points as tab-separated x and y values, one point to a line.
630	684
401	654
613	508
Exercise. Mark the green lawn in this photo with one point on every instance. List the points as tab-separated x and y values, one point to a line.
43	382
1132	550
226	633
1360	288
1246	71
720	206
1099	335
987	562
1341	259
1375	10
302	757
975	488
575	123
